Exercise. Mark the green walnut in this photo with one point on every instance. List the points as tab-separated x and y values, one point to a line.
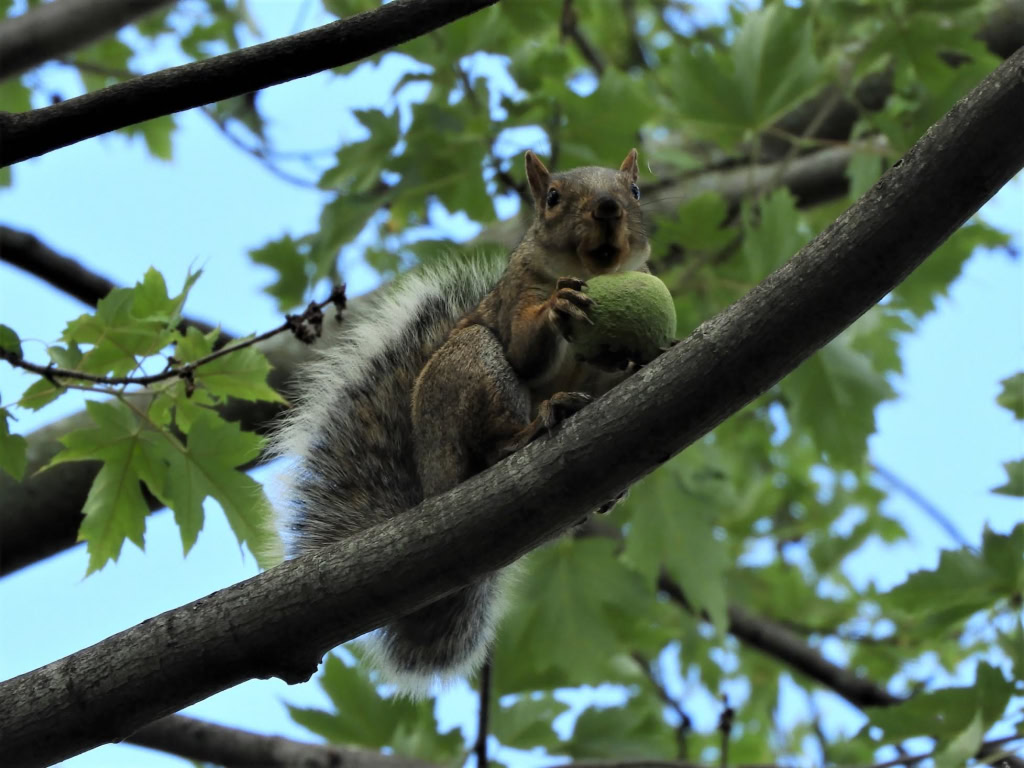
634	319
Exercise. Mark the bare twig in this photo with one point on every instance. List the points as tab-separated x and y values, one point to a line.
260	154
483	715
725	728
926	506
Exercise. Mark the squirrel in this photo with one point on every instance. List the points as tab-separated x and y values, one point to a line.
451	370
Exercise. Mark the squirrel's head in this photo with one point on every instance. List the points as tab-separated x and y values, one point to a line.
590	216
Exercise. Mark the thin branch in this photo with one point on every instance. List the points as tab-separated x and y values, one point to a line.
926	506
260	154
570	29
483	715
39	131
305	326
685	723
775	640
637	55
234	748
53	29
281	622
725	721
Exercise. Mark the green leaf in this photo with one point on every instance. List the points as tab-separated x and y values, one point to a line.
115	508
284	256
9	341
769	69
359	164
1012	396
525	722
936	274
951	715
1014	485
116	334
698	224
215	448
241	373
1004	555
863	170
560	629
773	235
14	97
634	731
963	746
967	581
832	396
594	133
157	133
12	448
40	394
671	530
363	717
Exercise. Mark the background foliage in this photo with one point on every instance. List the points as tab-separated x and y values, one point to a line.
761	517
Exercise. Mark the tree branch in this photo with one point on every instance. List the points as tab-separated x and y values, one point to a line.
209	743
51	30
281	622
39	131
773	639
27	252
306	327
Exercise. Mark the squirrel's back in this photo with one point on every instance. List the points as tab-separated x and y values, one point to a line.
348	436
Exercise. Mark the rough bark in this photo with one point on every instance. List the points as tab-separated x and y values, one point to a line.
281	622
34	133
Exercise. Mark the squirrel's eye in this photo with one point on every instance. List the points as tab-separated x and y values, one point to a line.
553	197
635	190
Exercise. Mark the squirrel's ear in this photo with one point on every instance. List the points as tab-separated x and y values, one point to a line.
537	175
629	165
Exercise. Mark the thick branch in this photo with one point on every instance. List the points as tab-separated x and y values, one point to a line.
281	622
51	30
39	131
233	748
27	252
789	648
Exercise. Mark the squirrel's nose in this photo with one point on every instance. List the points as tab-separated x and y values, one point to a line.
608	208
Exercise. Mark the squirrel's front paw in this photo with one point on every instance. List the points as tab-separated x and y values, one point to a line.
561	406
569	303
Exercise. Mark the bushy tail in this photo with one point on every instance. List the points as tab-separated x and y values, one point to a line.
348	443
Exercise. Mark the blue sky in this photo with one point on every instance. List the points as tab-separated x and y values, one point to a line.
108	204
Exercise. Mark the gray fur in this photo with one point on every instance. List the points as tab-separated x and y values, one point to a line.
347	441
